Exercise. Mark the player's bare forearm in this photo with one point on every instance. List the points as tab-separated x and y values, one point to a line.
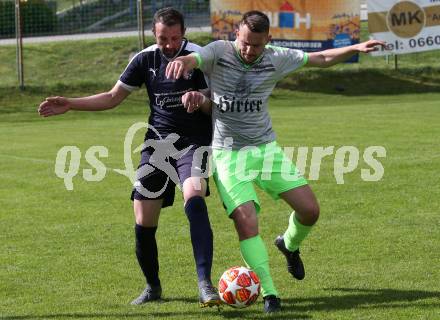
52	106
98	102
181	66
330	57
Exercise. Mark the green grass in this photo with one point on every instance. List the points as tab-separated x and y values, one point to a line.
55	67
69	254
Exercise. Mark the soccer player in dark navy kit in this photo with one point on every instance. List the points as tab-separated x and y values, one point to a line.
174	119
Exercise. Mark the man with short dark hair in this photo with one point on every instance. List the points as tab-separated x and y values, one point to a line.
174	118
242	75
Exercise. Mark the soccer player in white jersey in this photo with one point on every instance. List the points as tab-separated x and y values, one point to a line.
242	75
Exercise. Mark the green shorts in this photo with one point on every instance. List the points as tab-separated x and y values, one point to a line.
266	165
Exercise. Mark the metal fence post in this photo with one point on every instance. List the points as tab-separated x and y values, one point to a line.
18	35
140	18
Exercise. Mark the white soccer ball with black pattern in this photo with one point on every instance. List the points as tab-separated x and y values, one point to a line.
239	287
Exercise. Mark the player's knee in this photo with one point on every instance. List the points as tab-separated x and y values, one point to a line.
246	221
188	195
146	212
246	231
193	187
312	213
138	216
142	219
309	214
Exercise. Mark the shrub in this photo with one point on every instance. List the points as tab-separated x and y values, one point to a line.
7	18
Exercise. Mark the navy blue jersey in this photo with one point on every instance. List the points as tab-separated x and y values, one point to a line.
167	114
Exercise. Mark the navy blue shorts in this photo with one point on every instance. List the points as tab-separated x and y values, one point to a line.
157	179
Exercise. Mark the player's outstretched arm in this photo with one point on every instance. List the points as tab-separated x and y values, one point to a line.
328	58
195	100
181	66
53	106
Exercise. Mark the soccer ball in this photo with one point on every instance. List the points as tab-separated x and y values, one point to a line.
239	287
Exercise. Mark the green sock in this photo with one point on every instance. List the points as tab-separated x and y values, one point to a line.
295	233
255	256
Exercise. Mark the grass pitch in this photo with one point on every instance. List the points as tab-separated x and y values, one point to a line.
70	254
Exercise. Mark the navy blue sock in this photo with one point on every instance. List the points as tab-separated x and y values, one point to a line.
146	253
201	236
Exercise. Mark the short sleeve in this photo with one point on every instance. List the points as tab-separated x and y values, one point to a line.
132	78
287	60
208	55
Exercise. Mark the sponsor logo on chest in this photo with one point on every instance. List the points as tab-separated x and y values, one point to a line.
232	104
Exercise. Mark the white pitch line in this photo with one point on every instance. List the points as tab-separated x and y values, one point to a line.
26	158
38	160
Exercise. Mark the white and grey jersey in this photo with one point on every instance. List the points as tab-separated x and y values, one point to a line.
241	92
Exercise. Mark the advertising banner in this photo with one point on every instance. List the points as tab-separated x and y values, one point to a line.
306	25
406	26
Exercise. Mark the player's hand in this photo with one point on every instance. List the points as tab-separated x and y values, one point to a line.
370	46
175	69
193	100
53	106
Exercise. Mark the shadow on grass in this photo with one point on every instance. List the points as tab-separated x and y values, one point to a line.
339	299
364	82
230	314
350	298
78	315
259	314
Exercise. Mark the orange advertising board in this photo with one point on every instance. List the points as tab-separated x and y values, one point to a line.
307	25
